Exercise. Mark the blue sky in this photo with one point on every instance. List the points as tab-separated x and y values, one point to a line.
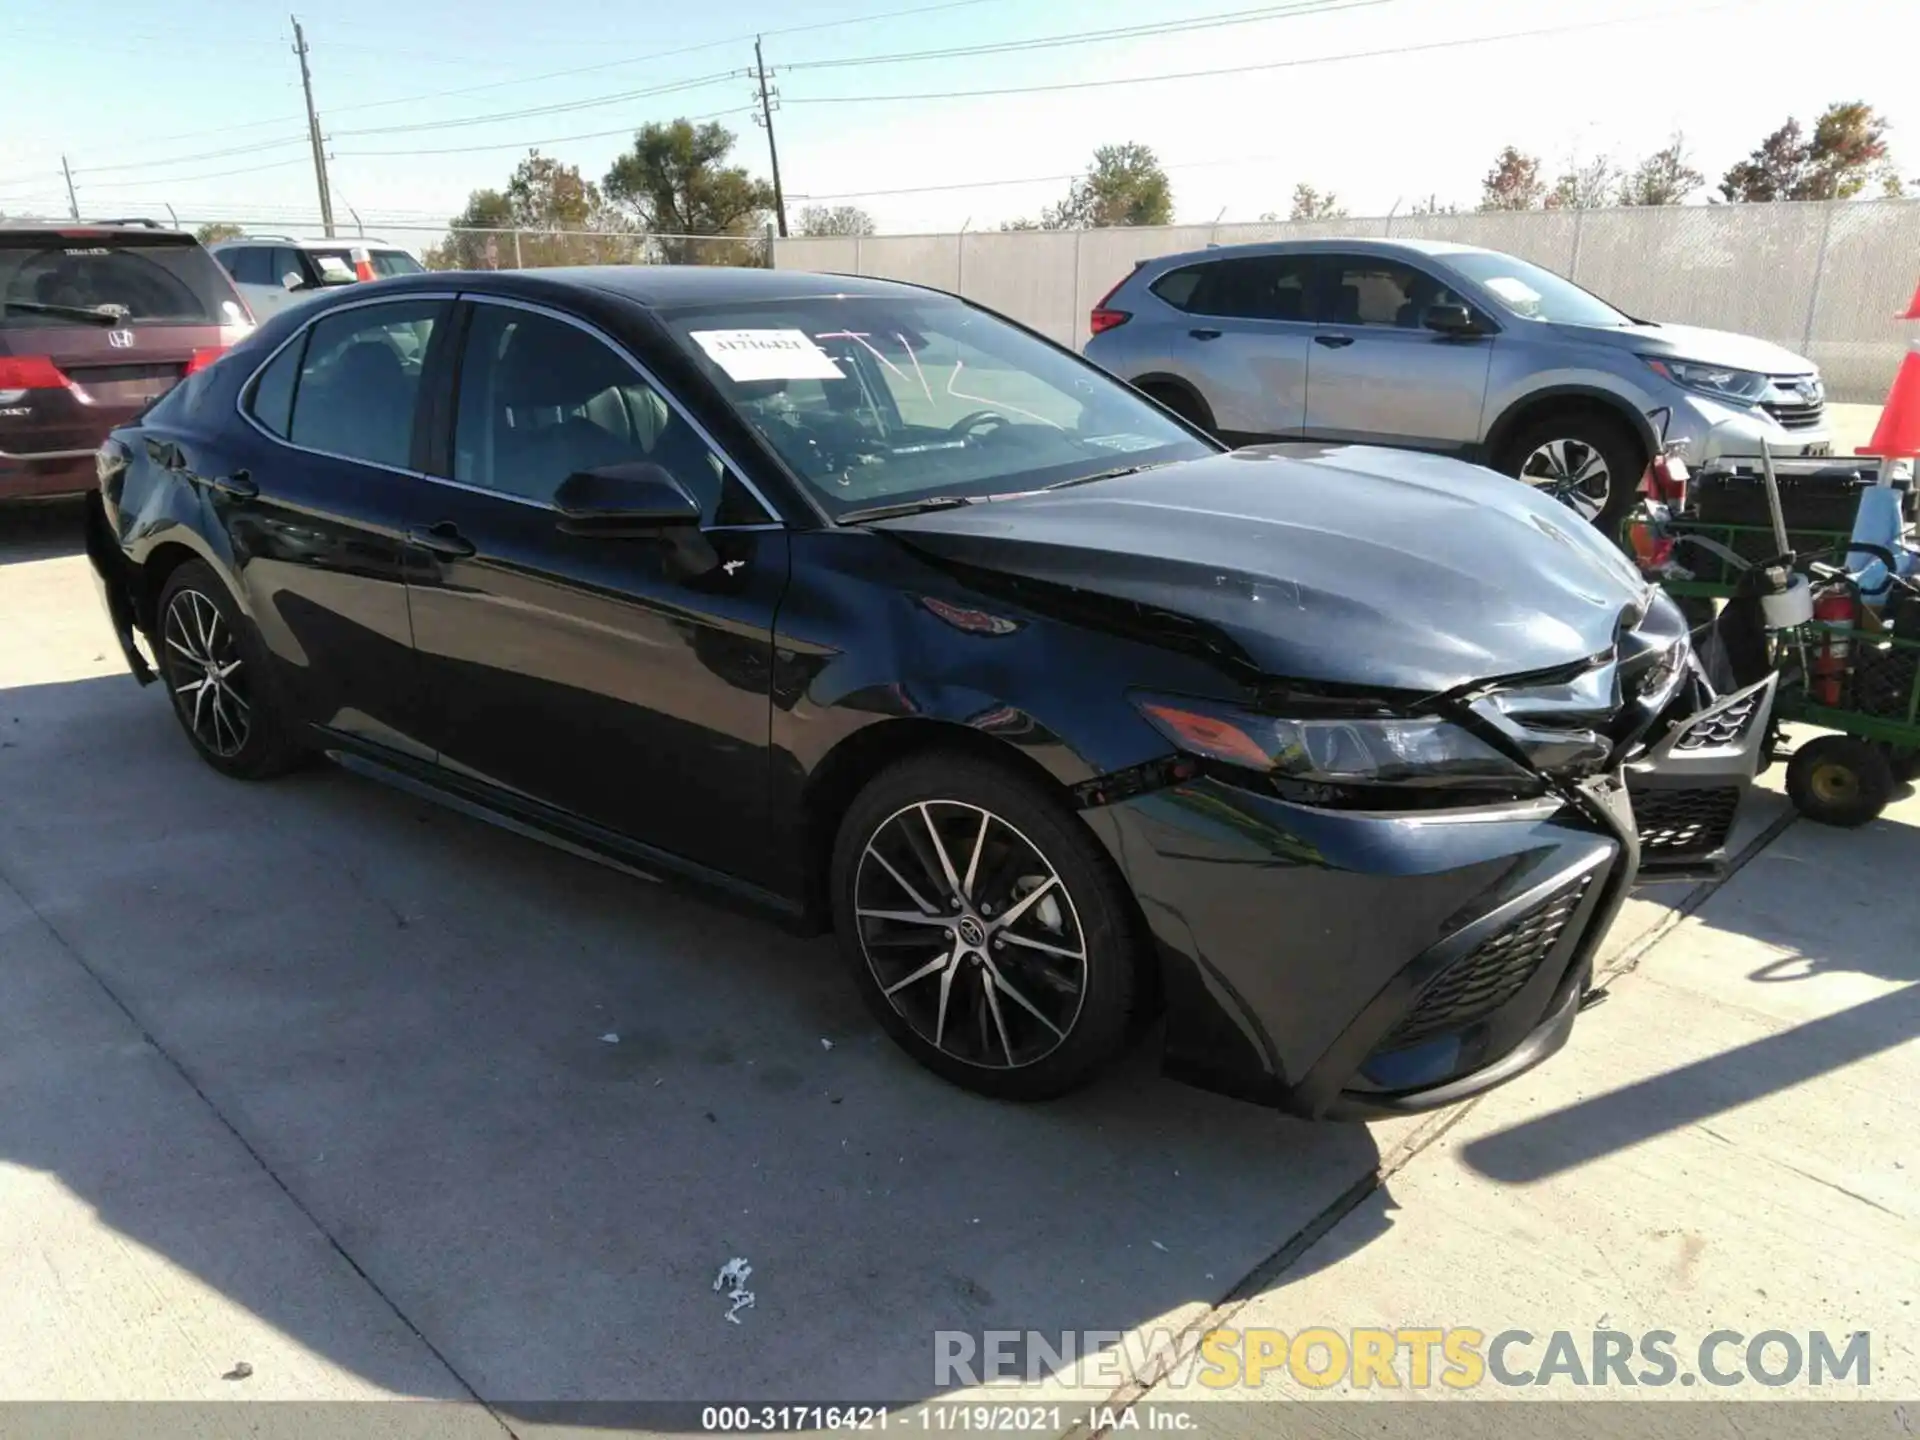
162	101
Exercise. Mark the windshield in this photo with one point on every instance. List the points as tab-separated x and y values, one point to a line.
339	263
1533	293
875	401
48	281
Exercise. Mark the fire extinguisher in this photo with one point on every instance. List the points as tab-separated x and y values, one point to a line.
1829	659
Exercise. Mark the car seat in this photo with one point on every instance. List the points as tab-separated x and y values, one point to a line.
369	405
1346	306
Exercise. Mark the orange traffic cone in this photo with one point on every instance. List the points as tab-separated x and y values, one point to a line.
1898	433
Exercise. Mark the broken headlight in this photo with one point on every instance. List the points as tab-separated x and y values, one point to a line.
1340	761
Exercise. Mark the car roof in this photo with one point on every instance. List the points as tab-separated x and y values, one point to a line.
1338	244
294	242
665	286
23	229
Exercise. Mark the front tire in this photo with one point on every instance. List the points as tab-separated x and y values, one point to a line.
1588	462
1838	780
215	671
985	927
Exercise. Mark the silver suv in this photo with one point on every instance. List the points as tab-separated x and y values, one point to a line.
1448	348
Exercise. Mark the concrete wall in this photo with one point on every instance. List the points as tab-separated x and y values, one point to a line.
1825	280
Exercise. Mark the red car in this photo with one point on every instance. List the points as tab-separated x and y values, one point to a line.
96	322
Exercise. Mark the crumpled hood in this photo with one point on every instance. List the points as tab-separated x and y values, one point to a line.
1691	342
1341	564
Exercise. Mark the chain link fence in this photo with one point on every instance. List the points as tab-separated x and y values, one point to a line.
1825	280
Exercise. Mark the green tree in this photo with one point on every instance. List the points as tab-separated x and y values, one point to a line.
218	230
547	215
1125	186
1585	185
1513	183
835	220
676	183
1310	204
1846	151
1666	177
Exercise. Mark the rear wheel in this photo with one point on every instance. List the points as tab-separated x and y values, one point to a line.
1188	406
985	928
1587	462
1839	780
215	671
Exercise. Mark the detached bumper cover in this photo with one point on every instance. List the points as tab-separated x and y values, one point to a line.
1342	964
1688	788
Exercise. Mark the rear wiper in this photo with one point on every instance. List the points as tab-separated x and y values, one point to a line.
908	507
70	312
1107	474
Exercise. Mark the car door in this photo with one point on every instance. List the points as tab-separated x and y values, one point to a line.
623	682
318	511
1245	343
1377	374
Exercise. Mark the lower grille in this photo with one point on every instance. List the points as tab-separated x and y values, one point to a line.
1684	822
1484	979
1725	727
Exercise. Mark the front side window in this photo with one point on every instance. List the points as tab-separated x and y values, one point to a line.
541	399
359	381
875	400
1361	290
395	262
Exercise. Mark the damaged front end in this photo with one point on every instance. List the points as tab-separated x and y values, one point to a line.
1375	905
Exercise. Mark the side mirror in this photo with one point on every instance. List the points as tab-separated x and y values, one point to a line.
1450	320
639	500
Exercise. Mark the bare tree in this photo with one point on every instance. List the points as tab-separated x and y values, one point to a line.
1585	185
1310	204
835	220
1666	177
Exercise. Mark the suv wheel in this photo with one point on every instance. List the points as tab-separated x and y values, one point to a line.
1188	407
1587	462
985	927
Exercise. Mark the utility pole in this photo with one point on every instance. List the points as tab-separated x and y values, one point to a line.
313	131
73	205
765	117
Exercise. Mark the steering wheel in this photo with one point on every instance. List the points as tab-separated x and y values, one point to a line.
967	424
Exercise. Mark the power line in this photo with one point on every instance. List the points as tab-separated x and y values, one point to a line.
561	108
1295	10
1249	69
523	144
203	155
115	186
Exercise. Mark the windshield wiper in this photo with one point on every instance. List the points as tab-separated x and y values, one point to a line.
1107	474
71	312
909	507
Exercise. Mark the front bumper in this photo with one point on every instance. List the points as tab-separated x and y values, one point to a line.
1350	965
1342	965
1715	431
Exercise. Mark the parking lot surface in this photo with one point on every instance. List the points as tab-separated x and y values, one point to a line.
314	1090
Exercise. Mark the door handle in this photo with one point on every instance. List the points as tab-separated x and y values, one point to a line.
443	539
1204	334
1333	342
239	485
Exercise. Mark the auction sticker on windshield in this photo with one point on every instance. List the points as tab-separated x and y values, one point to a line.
767	355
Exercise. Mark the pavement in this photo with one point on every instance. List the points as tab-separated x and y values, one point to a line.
313	1091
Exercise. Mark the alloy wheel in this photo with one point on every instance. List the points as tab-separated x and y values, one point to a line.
207	674
970	934
1572	472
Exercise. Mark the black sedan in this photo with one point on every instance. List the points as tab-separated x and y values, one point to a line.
864	604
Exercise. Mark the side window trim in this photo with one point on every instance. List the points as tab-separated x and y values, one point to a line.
242	403
733	466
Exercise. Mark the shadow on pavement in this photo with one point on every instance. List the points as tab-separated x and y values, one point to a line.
539	1104
41	530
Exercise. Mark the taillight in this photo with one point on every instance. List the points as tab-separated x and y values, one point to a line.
30	372
1104	317
204	357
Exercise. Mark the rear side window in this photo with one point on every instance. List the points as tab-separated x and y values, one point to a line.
1176	287
252	265
1252	287
359	380
53	281
272	402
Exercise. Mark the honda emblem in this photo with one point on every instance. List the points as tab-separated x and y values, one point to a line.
120	339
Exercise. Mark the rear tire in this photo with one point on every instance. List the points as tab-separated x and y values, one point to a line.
989	987
1189	407
1838	780
216	672
1588	462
